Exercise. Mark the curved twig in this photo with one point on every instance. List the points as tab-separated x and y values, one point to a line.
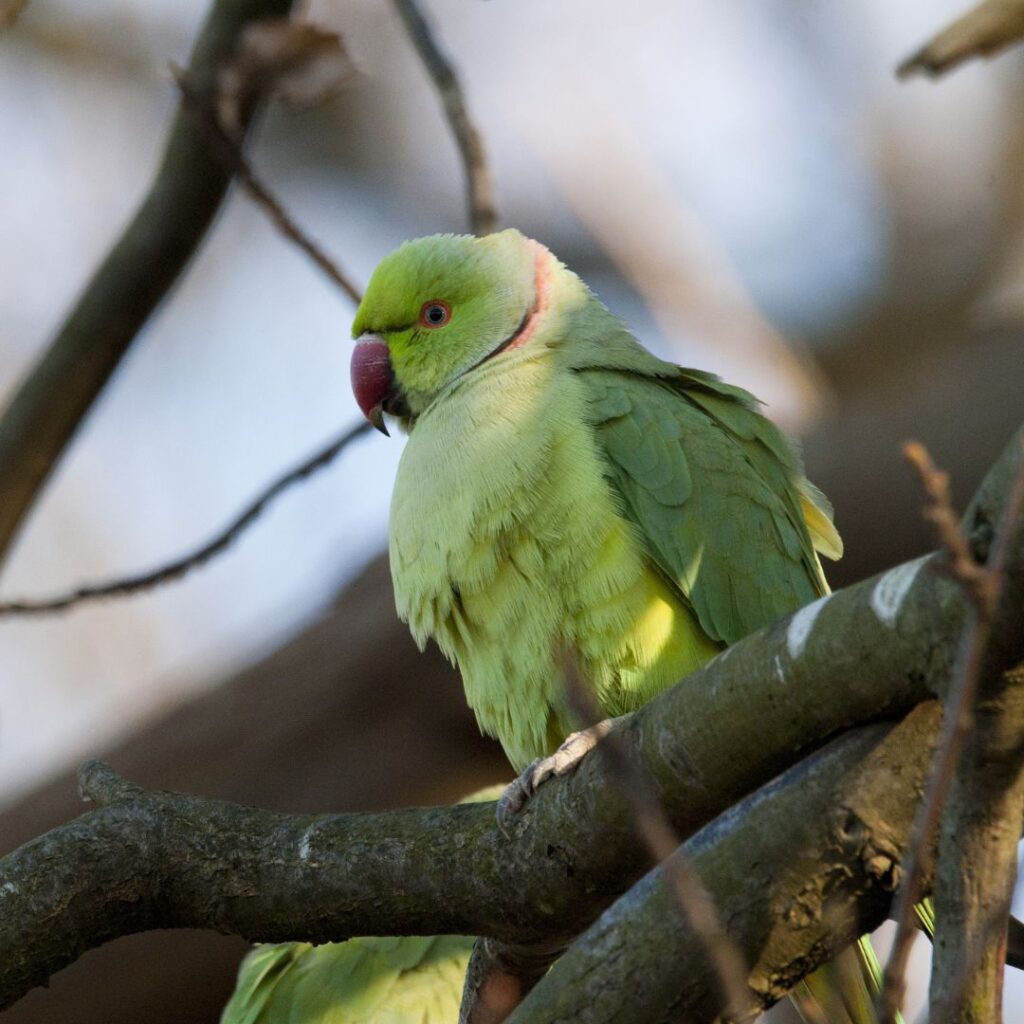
479	188
228	151
194	559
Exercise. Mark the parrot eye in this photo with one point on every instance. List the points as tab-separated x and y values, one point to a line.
435	313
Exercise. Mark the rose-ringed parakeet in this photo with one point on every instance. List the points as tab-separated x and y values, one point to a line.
564	488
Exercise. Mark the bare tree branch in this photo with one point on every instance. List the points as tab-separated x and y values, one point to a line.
159	860
194	559
983	31
228	151
500	976
479	189
137	274
294	60
977	859
983	587
960	564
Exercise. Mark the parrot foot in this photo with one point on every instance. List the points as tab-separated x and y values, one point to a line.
563	761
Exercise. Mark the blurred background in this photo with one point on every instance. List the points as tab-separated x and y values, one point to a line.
748	186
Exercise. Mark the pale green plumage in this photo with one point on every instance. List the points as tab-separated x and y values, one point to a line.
410	980
577	491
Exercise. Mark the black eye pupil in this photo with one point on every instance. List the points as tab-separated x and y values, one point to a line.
436	314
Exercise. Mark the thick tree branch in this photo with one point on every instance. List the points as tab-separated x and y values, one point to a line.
151	861
695	903
799	870
131	282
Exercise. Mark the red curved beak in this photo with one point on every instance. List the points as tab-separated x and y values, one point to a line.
372	377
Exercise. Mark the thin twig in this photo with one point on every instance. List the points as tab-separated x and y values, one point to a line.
228	151
234	159
479	188
179	567
983	585
656	831
939	511
10	10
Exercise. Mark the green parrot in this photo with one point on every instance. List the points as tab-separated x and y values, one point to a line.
564	488
402	980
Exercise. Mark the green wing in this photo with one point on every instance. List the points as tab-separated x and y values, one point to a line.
717	493
415	980
258	977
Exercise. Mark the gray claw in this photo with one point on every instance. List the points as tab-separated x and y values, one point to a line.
513	800
563	761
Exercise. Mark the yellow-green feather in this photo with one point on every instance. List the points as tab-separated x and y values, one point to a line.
532	554
414	980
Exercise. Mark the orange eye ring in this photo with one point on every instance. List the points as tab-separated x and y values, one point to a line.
435	313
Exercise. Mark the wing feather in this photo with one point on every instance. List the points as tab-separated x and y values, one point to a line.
717	495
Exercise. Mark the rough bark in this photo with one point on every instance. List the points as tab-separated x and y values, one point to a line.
799	869
977	858
364	722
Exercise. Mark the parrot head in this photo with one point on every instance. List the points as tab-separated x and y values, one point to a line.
437	308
